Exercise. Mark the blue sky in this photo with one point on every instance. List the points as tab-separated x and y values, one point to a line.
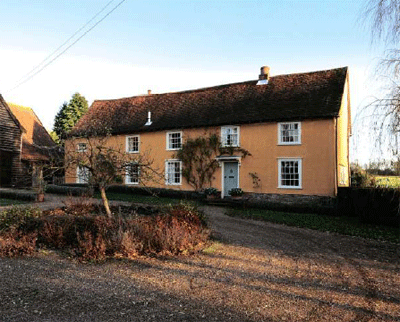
178	45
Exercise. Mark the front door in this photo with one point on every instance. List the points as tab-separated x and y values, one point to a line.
231	171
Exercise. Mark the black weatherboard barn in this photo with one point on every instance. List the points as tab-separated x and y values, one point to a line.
10	146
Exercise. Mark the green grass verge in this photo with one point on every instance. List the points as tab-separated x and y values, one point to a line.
387	181
139	198
341	225
8	202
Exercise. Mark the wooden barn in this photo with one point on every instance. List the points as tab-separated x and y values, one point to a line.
10	146
25	146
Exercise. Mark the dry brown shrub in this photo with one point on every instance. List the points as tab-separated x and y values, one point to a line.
80	206
180	229
52	233
90	247
15	244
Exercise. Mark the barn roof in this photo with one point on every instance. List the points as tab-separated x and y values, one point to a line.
36	140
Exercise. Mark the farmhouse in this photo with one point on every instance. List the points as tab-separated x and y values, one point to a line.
295	126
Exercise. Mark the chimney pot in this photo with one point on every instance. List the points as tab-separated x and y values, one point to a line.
263	78
149	92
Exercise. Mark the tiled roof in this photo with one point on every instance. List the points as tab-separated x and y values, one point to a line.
286	97
35	140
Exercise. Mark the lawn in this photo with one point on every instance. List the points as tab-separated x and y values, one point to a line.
139	198
341	225
387	181
8	202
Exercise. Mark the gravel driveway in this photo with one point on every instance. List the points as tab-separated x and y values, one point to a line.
255	271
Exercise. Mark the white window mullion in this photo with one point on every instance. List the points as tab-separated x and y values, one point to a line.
230	136
290	173
132	144
173	172
174	140
289	133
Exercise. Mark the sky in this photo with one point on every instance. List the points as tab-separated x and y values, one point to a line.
179	45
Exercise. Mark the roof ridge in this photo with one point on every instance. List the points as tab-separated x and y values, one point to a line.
201	89
307	95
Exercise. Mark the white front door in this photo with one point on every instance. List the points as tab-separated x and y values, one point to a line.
231	176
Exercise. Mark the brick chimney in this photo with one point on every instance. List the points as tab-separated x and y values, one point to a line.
263	78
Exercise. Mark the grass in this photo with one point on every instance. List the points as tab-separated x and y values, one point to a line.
341	225
139	198
387	181
8	202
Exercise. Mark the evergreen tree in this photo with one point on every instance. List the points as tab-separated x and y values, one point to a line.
69	114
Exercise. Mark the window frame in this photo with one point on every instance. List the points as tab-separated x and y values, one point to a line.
223	141
78	176
280	137
167	181
79	149
127	143
169	148
300	173
128	177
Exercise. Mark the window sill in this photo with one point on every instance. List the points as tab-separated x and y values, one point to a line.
132	152
230	146
289	143
289	187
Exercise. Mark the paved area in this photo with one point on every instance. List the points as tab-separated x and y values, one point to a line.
254	271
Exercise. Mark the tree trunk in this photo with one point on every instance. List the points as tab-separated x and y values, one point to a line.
105	202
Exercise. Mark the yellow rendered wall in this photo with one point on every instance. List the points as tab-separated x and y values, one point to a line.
317	150
343	132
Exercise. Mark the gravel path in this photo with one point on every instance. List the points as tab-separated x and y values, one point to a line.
254	271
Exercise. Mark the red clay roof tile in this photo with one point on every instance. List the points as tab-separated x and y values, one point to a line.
35	139
286	97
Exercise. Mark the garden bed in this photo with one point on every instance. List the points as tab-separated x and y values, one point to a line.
84	232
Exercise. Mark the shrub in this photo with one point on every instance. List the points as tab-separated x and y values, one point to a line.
173	230
14	217
160	192
18	195
360	178
371	205
236	192
79	190
211	192
181	229
15	244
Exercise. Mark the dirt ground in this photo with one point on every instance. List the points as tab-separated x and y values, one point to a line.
254	271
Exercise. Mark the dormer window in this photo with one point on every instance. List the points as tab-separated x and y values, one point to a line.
289	133
230	135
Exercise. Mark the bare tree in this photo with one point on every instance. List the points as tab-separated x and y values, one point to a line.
99	163
384	17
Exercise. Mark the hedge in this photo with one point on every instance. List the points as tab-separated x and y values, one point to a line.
370	205
79	189
18	195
